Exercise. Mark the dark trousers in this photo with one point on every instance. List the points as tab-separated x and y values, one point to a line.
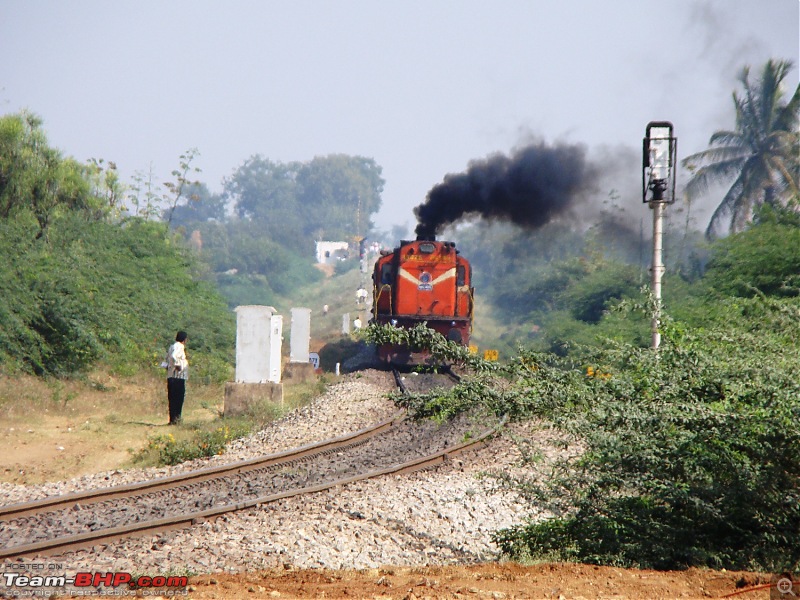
176	392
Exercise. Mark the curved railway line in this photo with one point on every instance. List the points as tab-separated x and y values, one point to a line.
65	523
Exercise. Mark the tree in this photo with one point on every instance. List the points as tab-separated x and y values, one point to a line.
760	154
106	186
340	193
205	207
179	187
145	195
35	179
265	192
332	196
260	186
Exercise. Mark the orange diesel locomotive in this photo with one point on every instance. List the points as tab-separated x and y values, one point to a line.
422	281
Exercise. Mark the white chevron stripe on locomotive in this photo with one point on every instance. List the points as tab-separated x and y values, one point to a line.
449	274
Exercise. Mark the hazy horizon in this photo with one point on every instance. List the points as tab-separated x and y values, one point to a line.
423	88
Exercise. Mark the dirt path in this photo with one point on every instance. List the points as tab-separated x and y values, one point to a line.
507	580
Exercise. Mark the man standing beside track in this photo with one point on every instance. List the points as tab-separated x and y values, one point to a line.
177	374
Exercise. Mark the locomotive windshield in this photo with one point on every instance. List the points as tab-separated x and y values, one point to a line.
461	275
386	274
427	248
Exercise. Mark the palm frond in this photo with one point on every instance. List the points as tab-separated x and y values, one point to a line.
760	154
724	209
717	172
789	115
748	113
712	155
787	180
727	138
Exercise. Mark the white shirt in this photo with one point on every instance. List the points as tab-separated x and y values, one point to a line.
177	364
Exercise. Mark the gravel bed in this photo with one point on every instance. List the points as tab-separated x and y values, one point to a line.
402	443
444	515
356	402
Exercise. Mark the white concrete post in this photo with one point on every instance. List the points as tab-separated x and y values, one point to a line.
252	343
275	341
301	335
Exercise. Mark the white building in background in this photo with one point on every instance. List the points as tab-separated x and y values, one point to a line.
330	252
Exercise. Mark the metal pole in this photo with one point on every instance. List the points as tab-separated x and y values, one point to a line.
657	270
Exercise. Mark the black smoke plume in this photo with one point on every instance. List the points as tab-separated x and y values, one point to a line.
530	188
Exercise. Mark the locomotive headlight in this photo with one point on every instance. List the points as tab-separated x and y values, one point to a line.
454	335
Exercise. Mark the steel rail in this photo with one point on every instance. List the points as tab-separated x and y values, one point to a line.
84	498
76	542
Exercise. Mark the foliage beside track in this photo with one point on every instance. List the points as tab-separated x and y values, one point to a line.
690	456
170	451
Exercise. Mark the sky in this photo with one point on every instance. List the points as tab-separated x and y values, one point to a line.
421	86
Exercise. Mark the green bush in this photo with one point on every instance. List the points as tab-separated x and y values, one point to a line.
689	456
345	266
590	297
98	292
242	290
764	258
169	451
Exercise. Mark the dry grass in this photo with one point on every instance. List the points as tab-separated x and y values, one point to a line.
60	429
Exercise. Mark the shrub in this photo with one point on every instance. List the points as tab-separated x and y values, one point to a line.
692	454
169	451
98	292
764	258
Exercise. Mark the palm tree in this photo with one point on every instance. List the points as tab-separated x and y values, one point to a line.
762	154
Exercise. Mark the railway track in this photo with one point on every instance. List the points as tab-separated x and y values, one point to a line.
66	523
68	501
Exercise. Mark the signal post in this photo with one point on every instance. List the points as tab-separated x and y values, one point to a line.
658	179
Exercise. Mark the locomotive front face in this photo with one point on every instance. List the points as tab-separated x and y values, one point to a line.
423	281
426	278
